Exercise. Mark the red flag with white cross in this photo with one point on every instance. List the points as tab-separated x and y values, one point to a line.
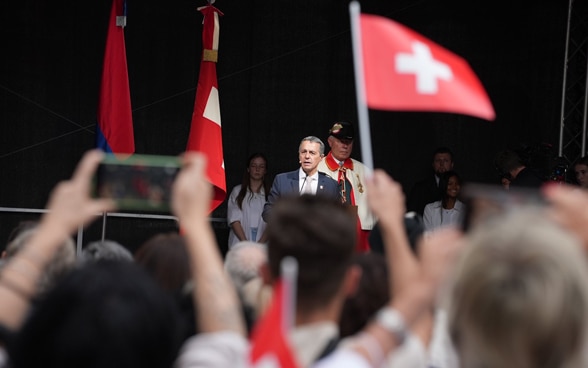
205	133
405	71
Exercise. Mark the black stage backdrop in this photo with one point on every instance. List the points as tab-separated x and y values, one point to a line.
285	71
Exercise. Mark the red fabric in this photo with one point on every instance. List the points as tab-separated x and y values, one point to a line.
392	84
205	133
363	244
269	345
115	119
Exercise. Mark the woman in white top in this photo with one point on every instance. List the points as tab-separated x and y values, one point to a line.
449	210
246	203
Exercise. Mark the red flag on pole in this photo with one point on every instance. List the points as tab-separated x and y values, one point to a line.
269	344
114	130
405	71
205	132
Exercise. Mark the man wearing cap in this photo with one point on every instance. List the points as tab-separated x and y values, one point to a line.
350	175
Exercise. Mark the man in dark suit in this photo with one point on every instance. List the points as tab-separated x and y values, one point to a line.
427	190
306	180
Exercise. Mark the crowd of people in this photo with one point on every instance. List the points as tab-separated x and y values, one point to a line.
510	290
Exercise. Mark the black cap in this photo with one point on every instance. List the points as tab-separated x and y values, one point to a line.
342	130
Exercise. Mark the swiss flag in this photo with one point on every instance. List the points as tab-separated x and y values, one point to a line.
405	71
269	344
205	133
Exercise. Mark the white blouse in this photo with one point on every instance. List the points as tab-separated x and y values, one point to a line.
435	216
249	216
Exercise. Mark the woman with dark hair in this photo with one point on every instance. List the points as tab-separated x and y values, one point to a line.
246	202
449	210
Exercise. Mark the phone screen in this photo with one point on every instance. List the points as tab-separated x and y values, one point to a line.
483	201
139	182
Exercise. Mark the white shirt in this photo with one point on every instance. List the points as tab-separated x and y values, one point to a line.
304	181
435	216
249	216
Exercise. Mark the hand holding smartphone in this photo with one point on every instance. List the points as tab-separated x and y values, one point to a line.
139	182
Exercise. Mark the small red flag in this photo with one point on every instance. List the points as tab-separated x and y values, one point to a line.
205	132
269	344
405	71
114	129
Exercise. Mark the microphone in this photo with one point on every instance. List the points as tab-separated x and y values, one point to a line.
303	183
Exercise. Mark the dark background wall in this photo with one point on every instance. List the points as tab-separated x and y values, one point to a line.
285	71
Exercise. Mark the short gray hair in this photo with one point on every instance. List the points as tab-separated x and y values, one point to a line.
243	260
106	250
313	139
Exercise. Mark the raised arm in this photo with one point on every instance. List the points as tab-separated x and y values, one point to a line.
414	282
214	296
70	206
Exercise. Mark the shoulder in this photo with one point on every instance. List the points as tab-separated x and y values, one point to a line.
327	177
433	205
287	175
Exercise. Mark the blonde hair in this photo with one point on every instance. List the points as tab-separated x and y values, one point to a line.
520	295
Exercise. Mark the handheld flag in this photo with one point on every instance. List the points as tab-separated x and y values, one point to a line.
405	71
269	340
114	131
205	132
397	69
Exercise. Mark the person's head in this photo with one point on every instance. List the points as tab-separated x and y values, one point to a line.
449	185
243	261
508	163
255	170
165	258
520	295
106	250
320	233
442	160
102	315
373	293
62	262
256	167
341	140
310	152
581	171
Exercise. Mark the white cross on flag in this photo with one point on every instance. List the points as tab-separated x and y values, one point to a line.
405	71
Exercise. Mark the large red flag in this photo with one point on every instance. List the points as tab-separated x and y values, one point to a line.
205	133
269	344
405	71
114	131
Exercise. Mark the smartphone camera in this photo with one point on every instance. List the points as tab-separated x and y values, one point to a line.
139	182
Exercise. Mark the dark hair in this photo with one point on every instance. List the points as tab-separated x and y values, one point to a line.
444	183
443	150
321	234
582	161
506	161
165	258
103	315
246	183
373	293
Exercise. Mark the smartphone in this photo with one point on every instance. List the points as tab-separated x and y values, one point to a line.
486	200
139	182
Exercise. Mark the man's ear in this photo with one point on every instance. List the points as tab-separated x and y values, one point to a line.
266	275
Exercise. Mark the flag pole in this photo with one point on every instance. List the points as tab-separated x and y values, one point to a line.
365	137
